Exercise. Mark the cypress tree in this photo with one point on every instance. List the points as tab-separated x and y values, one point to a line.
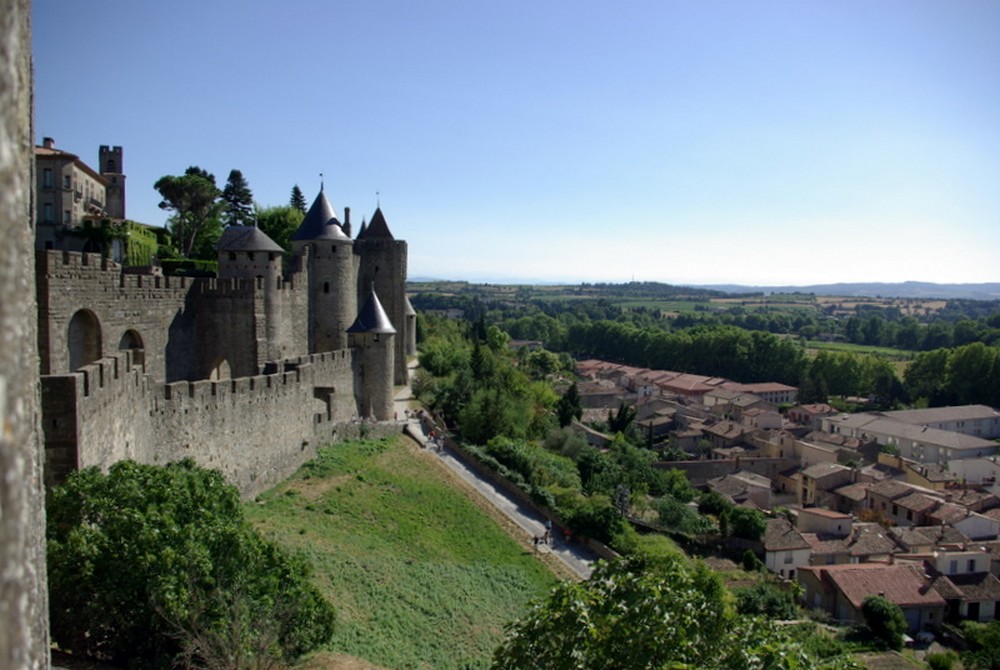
238	200
298	201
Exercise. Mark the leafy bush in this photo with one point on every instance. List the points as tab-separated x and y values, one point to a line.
154	565
766	599
942	660
885	620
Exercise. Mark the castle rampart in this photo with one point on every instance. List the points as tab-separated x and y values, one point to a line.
256	430
247	373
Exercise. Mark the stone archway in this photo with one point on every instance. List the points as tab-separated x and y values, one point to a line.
220	370
131	340
83	339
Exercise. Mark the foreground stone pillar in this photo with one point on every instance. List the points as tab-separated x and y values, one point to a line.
24	637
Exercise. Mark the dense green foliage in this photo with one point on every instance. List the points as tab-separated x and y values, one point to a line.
638	615
766	599
151	564
705	332
279	223
421	577
984	645
885	620
195	224
966	374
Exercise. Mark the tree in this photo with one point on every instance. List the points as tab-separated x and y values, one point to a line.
238	207
569	407
746	523
193	198
885	620
638	615
151	564
279	223
298	201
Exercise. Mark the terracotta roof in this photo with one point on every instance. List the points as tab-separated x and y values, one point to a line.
918	502
930	415
781	535
912	537
857	491
904	585
977	586
819	470
891	489
823	512
871	540
824	544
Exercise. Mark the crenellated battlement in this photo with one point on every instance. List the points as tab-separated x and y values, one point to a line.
247	373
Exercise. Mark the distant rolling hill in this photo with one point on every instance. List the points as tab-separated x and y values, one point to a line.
908	289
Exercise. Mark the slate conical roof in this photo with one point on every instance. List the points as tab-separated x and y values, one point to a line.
408	307
372	318
377	228
321	222
246	238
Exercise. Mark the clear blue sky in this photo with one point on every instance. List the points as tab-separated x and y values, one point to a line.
687	142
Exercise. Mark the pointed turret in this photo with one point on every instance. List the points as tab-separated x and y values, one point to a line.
372	318
332	275
373	338
320	223
378	228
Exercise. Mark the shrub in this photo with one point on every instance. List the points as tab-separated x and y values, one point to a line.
942	660
885	620
156	565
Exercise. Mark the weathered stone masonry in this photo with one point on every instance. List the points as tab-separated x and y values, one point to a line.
223	371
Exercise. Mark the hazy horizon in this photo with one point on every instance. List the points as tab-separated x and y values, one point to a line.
772	143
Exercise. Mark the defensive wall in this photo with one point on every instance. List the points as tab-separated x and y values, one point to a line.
699	472
256	430
182	326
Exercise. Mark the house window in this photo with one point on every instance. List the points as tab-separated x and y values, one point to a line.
66	181
788	558
47	215
952	567
250	255
232	255
66	216
972	565
909	515
895	510
47	178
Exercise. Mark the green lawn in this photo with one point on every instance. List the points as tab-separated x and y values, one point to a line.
420	576
889	352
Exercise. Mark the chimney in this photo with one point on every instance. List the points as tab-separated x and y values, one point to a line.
347	216
48	143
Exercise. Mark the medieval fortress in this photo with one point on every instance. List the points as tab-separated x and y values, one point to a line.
247	373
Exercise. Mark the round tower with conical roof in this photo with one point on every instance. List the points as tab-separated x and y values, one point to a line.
383	264
332	270
373	336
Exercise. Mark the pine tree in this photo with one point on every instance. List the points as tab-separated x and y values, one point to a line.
238	200
298	201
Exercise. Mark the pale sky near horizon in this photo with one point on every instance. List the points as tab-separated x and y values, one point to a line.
758	143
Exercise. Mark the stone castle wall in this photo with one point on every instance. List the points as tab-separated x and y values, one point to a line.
256	430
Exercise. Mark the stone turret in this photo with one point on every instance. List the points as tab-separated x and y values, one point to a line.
373	335
332	267
383	265
246	252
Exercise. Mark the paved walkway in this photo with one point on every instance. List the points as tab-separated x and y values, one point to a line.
577	558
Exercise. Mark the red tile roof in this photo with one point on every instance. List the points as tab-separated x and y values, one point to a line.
904	585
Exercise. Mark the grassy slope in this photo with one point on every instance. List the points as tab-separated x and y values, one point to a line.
420	576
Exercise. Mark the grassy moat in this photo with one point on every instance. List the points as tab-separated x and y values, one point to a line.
421	576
